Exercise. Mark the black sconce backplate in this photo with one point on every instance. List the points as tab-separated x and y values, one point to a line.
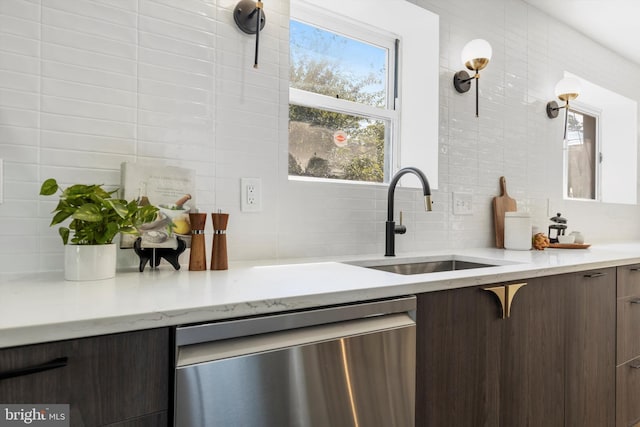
243	14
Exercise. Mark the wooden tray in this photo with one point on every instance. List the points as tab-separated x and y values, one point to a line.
569	245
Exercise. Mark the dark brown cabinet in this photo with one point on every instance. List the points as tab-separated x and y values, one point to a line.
551	362
120	379
628	347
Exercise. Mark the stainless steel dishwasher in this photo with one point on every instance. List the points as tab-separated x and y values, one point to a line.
348	365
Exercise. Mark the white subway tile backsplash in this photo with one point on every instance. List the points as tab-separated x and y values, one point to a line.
19	27
150	24
19	81
19	63
157	104
71	124
16	117
201	22
17	137
21	172
18	99
21	8
88	92
173	91
175	62
176	46
88	84
74	107
89	25
98	10
84	142
186	78
78	175
92	60
79	74
78	40
89	160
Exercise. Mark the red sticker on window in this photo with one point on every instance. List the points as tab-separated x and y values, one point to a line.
340	138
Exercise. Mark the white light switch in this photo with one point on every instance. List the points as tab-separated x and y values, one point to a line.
462	203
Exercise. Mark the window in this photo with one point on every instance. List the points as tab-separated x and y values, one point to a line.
342	92
602	147
582	156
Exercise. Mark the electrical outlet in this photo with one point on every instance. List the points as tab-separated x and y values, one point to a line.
251	194
462	203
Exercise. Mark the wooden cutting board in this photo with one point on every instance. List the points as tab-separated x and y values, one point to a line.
501	204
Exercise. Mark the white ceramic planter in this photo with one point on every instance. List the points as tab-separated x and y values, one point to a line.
89	262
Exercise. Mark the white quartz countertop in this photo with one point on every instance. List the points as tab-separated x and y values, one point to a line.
44	307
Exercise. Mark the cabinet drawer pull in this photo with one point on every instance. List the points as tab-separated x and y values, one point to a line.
635	365
505	294
593	275
635	301
634	269
60	362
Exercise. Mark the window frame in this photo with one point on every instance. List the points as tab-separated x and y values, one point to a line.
390	113
594	112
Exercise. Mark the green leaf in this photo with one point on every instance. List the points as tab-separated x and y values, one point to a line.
88	212
60	216
49	187
119	206
64	233
77	190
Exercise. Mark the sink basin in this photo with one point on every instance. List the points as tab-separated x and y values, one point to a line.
429	266
421	266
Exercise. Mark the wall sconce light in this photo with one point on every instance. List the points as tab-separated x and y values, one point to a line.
250	18
475	56
566	90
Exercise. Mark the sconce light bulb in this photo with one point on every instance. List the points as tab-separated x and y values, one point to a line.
476	54
568	89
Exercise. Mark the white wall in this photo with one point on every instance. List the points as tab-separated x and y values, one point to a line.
87	84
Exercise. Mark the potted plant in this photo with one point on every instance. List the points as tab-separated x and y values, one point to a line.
96	218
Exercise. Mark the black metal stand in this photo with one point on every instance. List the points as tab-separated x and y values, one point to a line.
154	255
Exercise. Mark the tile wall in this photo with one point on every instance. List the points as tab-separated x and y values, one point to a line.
88	84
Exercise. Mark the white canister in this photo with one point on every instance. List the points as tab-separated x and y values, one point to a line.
517	231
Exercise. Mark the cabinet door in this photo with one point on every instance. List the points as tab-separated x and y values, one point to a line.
590	349
459	341
628	394
533	373
628	343
106	379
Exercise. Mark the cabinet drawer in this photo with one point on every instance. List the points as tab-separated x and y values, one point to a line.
628	394
628	330
104	379
628	280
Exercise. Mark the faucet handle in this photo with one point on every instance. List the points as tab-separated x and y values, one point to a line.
400	229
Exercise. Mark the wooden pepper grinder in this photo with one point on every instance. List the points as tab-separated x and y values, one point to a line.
198	256
219	248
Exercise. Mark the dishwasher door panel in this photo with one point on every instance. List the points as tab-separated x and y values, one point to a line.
366	380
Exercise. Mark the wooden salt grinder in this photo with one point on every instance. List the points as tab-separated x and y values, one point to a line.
219	248
198	256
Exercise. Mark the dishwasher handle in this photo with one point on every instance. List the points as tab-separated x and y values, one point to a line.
188	335
218	350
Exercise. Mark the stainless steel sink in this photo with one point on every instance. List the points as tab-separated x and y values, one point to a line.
421	266
429	266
